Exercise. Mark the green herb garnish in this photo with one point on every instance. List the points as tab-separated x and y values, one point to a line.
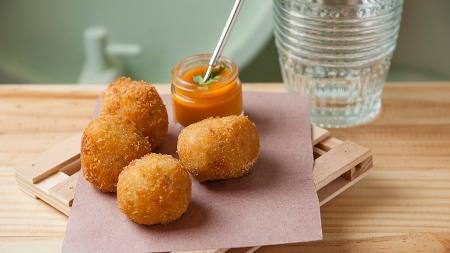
214	77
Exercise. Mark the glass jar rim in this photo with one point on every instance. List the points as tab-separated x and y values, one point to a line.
177	77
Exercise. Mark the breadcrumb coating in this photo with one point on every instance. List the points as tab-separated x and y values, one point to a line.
154	190
219	148
139	102
110	143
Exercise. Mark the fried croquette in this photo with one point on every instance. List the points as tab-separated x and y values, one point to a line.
139	102
219	148
110	143
154	189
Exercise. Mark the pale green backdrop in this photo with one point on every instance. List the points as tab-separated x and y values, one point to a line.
42	41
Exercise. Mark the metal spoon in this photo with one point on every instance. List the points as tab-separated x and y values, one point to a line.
223	38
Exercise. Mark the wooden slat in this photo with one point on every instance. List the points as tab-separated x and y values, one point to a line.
318	134
64	191
336	187
358	169
338	160
329	143
72	167
318	152
51	160
41	193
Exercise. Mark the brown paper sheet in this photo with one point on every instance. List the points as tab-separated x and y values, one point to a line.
275	204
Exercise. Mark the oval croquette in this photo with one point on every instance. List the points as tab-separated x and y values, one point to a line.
219	148
139	102
154	190
110	143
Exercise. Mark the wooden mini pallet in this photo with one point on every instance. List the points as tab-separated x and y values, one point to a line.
53	175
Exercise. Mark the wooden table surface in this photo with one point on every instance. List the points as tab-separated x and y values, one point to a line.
403	205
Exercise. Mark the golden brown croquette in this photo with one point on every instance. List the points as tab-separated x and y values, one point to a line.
219	148
154	190
139	102
110	143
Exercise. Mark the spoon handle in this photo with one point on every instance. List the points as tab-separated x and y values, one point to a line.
223	37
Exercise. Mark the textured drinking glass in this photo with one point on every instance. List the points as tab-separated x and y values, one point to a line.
338	52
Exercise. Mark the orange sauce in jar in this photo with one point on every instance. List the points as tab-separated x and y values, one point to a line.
193	102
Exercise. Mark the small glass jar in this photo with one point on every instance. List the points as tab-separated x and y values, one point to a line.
192	102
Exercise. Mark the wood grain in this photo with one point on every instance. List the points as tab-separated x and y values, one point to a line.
403	205
336	161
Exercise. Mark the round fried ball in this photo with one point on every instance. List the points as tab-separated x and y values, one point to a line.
109	144
139	102
154	190
219	148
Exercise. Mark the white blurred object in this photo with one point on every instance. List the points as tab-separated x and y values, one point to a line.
167	31
102	63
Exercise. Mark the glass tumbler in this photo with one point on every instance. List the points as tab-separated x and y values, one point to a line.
338	53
